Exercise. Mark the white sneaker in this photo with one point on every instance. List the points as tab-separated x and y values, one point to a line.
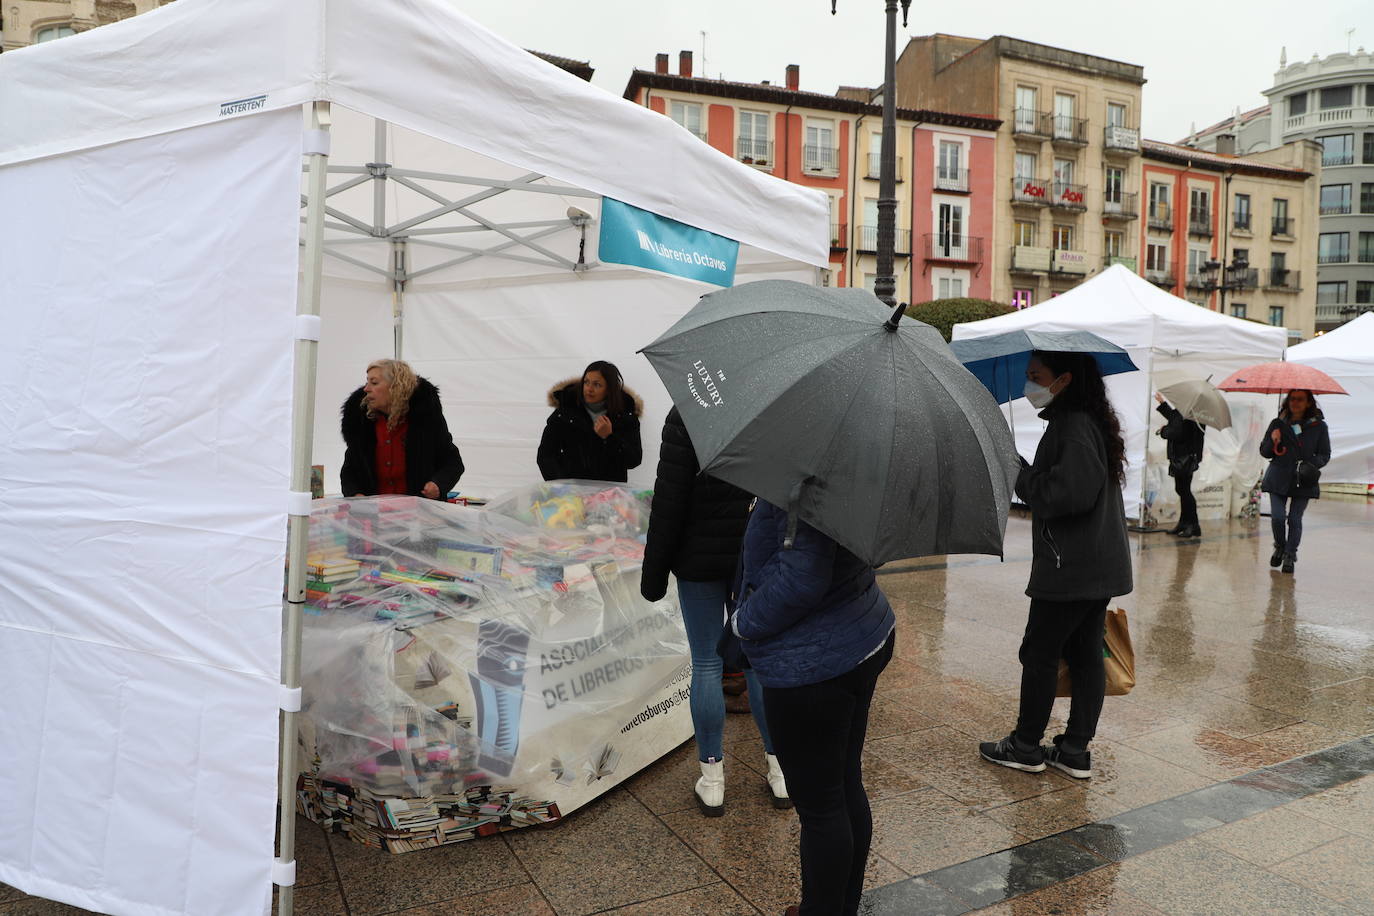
710	788
777	785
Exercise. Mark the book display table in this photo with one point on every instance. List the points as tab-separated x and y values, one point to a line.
468	671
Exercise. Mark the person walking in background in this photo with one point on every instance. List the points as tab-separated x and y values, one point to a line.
395	437
696	528
1298	445
593	432
817	631
1184	439
1080	560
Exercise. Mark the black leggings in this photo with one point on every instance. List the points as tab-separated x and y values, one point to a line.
1072	630
818	735
1187	513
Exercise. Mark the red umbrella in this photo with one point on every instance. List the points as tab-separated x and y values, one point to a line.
1280	378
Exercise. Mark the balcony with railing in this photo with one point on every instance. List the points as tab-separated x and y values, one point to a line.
754	152
1330	159
1030	191
1242	278
825	159
1334	256
1328	117
1120	205
1339	209
1197	279
1282	227
951	179
868	241
875	167
1240	222
943	246
1162	276
1070	196
839	237
1118	140
1159	215
1200	222
1030	124
1066	130
1282	279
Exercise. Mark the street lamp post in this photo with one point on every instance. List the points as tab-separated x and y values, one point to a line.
885	286
1218	277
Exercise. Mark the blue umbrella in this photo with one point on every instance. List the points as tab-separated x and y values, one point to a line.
999	361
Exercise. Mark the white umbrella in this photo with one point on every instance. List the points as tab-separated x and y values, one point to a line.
1198	399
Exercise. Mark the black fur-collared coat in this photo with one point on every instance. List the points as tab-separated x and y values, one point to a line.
430	452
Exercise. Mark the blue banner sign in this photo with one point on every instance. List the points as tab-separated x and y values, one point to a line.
639	238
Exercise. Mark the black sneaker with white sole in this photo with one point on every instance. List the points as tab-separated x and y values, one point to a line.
1079	764
1007	753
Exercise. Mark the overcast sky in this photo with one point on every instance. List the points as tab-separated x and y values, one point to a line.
1202	58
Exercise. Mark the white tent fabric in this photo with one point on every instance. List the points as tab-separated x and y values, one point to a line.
1166	338
149	271
1347	355
147	289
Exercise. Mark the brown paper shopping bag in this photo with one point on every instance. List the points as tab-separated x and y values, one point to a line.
1117	656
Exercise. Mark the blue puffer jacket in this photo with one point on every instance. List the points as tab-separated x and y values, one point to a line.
806	614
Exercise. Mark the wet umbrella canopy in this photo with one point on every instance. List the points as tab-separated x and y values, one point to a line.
1000	360
872	433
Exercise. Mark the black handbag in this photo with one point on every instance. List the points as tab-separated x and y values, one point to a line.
1307	474
1184	464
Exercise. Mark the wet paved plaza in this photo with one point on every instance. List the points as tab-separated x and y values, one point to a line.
1235	778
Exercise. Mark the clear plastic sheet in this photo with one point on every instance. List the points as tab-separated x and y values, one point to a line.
470	670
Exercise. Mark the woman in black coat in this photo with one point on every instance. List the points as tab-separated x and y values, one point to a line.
696	529
1185	455
593	432
395	437
1297	444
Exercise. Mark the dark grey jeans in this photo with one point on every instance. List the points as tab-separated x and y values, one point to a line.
1289	510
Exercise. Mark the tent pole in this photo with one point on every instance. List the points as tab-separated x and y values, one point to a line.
298	521
398	295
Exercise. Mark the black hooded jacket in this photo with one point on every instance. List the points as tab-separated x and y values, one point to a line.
1184	437
430	452
696	526
571	450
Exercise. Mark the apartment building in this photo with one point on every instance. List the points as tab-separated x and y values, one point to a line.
833	143
1067	153
1221	230
27	22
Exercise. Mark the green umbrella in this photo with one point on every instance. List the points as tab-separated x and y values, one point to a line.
869	430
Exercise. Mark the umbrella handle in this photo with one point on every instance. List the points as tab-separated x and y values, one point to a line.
1280	450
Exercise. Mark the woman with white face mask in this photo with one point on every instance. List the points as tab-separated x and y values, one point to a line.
1080	560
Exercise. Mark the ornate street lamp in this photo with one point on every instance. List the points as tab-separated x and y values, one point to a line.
885	286
1217	277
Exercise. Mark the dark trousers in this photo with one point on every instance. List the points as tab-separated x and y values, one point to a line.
1187	513
1286	512
818	735
1072	630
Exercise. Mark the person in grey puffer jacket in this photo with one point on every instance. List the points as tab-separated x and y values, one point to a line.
1080	560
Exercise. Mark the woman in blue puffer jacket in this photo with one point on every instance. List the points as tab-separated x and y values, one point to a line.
818	631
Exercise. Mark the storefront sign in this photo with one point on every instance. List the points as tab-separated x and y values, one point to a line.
1025	258
1074	262
639	238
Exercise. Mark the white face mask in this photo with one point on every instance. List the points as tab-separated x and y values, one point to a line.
1039	396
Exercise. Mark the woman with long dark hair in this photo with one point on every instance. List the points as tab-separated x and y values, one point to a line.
593	432
1080	560
1298	446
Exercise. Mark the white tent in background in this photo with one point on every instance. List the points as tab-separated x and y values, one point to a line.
161	385
1167	338
1347	355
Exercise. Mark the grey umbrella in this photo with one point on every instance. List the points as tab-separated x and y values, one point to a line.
868	430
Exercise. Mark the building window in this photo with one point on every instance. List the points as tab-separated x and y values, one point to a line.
1337	97
1366	249
51	32
1364	292
1156	257
1335	199
1159	202
1297	104
1242	216
1022	298
951	288
819	153
1240	256
1027	114
1063	116
1116	180
1116	114
1332	293
1276	315
1367	197
1196	258
688	114
1063	171
1338	149
950	162
1025	166
1199	207
949	231
1112	244
1368	157
753	137
1281	226
1237	309
1063	238
870	224
1333	248
1024	233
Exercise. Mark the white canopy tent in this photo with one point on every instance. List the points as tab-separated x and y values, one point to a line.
151	272
1347	355
1167	338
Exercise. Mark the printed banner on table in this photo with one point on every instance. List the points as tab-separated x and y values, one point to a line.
639	238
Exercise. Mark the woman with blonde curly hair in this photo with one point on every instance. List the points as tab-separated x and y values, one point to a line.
395	437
